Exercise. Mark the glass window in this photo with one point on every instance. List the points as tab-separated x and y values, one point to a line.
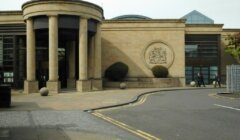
188	68
196	70
191	50
196	17
8	77
208	73
205	73
7	39
201	46
61	53
213	72
6	46
1	53
204	70
188	74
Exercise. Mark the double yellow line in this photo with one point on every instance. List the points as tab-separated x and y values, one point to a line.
214	95
137	132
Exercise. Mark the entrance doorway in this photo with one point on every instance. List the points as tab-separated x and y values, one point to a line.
208	73
42	57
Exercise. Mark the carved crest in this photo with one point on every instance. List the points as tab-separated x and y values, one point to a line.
158	53
158	56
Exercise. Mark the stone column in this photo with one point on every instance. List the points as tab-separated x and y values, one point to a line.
91	58
71	81
83	84
97	81
30	84
21	69
53	84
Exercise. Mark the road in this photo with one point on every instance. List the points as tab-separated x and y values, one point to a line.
58	125
183	115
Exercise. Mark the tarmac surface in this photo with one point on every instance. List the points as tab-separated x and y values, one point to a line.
61	116
183	115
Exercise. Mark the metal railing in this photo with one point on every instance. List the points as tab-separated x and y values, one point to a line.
233	78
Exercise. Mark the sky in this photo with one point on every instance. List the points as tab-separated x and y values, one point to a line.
221	11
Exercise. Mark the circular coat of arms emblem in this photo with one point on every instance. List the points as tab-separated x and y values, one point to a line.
158	53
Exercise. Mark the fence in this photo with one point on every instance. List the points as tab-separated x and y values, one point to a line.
233	79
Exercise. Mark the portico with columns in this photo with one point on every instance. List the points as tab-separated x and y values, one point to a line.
83	68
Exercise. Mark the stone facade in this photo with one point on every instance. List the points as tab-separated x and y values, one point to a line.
141	44
129	41
53	9
11	17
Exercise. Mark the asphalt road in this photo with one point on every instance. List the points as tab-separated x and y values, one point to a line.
184	115
58	125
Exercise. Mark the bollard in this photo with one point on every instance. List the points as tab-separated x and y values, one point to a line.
5	96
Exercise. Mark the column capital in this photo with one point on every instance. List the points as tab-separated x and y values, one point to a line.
84	17
99	23
29	18
52	15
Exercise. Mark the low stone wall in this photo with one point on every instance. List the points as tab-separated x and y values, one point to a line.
146	83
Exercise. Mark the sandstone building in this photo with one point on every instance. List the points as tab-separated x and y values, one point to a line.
69	44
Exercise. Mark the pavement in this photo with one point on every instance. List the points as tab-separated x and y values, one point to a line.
73	100
62	115
183	115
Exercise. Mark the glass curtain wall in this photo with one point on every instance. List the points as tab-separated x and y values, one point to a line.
12	60
7	59
202	56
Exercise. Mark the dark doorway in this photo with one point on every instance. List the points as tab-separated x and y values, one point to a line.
42	56
208	73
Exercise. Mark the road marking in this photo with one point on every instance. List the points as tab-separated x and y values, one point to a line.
140	101
228	107
137	132
214	95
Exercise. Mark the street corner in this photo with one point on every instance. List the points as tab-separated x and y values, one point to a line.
230	96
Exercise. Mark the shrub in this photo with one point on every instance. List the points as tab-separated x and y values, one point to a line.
117	71
160	71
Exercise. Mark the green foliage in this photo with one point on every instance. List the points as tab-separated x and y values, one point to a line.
160	71
117	71
233	46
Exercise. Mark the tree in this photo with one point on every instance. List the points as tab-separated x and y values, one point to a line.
233	46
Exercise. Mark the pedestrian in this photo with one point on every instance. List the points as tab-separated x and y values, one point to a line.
217	81
198	80
202	80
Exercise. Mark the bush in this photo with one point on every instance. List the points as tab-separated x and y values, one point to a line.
117	71
160	72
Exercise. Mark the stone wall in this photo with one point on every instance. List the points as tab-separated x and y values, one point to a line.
11	17
143	44
146	83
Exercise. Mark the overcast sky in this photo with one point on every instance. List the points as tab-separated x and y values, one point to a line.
221	11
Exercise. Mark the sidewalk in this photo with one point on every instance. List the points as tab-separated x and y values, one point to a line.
72	100
60	116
